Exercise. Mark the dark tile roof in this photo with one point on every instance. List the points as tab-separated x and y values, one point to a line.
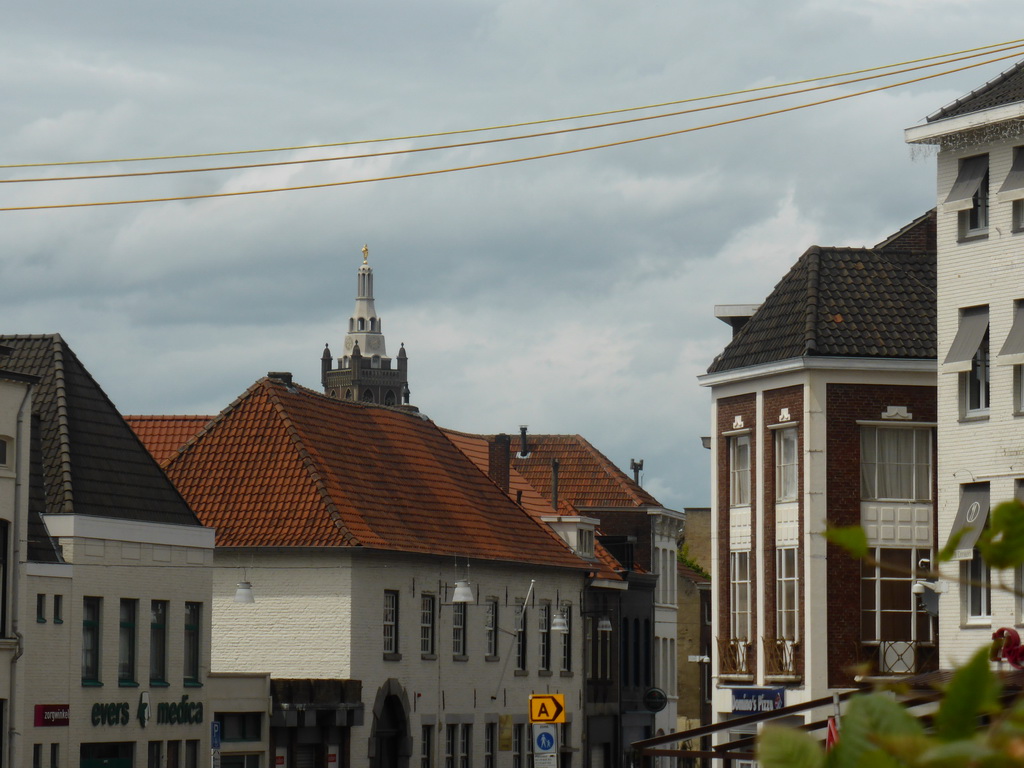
845	302
284	466
88	461
1006	88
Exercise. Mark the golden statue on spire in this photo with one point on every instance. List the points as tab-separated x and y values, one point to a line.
366	253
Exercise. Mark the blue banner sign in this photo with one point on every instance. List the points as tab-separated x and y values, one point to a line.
750	701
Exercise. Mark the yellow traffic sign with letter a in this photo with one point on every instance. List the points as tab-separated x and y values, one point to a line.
547	708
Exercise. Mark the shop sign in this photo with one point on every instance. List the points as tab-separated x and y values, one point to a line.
49	715
751	700
182	712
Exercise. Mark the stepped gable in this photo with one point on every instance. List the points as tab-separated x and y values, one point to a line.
846	302
86	460
1006	88
284	466
164	435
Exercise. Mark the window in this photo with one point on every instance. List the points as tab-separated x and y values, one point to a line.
153	754
896	463
3	452
889	609
459	629
739	471
466	746
192	753
91	607
786	606
786	464
58	609
127	641
451	733
390	622
739	605
158	642
969	196
1013	188
55	756
173	754
428	613
491	627
978	589
567	639
427	746
4	525
544	625
521	638
37	756
490	744
976	382
193	615
518	747
41	609
240	726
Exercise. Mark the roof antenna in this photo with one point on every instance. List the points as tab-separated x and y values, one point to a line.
637	467
524	447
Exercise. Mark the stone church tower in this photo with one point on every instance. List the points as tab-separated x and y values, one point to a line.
364	371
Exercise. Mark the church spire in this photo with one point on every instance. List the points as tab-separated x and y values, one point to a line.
364	371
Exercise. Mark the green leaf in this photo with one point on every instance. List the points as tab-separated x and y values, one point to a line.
779	747
1002	543
870	720
966	752
947	552
851	538
973	691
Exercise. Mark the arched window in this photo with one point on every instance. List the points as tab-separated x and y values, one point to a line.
373	324
367	395
361	324
351	324
348	394
389	398
334	393
375	361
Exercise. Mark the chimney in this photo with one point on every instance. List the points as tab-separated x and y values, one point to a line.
524	446
498	451
554	484
285	377
637	467
735	315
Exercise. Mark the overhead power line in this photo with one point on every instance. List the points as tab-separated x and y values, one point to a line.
497	163
501	139
978	51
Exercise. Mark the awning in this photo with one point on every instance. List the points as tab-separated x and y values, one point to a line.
968	181
1013	187
972	515
1012	352
973	324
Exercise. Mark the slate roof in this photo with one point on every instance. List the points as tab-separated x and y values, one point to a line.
284	466
85	459
1006	88
845	302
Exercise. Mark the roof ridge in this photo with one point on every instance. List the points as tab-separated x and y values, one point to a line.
1003	76
618	475
813	255
63	428
210	425
306	457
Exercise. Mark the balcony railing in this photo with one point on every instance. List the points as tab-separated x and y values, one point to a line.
888	658
734	657
780	657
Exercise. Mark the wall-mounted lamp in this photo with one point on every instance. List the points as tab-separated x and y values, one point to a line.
920	586
243	594
463	593
559	624
604	625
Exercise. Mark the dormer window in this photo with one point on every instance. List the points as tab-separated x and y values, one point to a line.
585	542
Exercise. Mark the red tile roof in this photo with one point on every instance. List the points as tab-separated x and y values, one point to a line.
284	466
586	477
475	447
164	435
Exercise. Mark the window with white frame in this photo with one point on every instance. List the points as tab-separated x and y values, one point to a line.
1013	188
896	463
977	590
969	197
544	626
786	591
786	464
491	627
451	735
739	604
490	744
889	609
466	746
459	629
739	471
390	621
427	746
521	637
428	615
518	746
567	639
976	382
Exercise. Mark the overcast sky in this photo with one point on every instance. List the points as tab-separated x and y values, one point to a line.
574	294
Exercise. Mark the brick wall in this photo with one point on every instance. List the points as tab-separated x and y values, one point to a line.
845	405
